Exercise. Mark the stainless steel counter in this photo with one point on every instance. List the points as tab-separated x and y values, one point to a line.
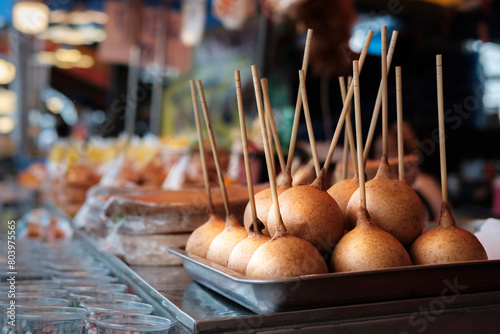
196	309
204	311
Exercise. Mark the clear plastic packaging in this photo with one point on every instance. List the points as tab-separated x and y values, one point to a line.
172	211
105	287
81	168
89	280
137	324
31	285
99	296
116	307
47	320
37	293
84	271
89	217
142	163
10	306
28	274
82	275
31	300
94	267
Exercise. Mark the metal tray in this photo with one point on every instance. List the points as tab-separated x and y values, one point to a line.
317	291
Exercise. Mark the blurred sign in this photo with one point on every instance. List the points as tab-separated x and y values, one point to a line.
131	22
121	29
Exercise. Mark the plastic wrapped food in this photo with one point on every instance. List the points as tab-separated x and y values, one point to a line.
144	162
80	169
89	216
170	211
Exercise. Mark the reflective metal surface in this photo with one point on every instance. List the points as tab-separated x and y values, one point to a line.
197	309
334	289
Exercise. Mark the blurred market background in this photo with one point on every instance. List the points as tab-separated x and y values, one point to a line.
78	75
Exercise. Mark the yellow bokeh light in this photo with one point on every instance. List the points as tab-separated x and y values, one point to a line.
73	36
8	100
7	72
6	125
78	17
65	59
68	55
54	104
85	62
30	17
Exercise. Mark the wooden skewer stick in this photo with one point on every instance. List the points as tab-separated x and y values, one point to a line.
385	102
348	128
272	123
211	136
244	143
269	135
350	134
298	105
307	114
345	108
399	104
442	136
210	205
270	142
281	229
345	155
357	111
378	102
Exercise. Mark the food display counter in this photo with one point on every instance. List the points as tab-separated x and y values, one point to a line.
148	196
196	309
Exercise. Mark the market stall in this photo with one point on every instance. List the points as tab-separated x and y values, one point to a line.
177	175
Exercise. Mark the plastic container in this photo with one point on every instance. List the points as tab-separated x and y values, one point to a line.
137	324
77	267
104	287
88	280
40	293
116	307
28	274
81	275
89	270
7	308
32	300
61	256
48	320
25	267
71	260
36	289
75	298
41	284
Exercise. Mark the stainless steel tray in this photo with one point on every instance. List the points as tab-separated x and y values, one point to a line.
334	289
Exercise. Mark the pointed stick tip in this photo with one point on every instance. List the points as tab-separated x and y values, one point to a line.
439	60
